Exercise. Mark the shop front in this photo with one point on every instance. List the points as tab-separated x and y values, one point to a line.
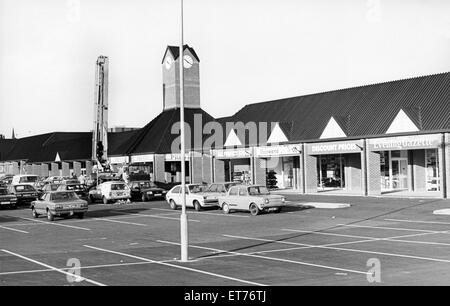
409	164
141	164
233	165
334	166
280	165
118	163
172	168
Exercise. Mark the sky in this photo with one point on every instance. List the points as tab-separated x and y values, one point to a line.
250	51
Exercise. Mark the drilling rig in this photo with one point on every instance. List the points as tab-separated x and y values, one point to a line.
100	131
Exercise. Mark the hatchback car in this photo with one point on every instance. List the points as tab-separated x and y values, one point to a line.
195	197
7	199
146	190
253	198
24	193
78	188
59	203
108	192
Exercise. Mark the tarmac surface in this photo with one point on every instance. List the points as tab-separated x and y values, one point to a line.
375	241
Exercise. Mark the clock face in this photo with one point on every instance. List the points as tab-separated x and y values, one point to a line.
168	62
187	61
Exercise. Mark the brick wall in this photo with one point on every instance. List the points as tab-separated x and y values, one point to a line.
260	171
446	167
206	169
54	169
219	170
159	168
373	173
419	170
88	168
353	172
77	168
197	169
310	173
44	170
65	169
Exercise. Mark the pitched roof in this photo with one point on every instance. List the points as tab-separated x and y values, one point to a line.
360	111
175	51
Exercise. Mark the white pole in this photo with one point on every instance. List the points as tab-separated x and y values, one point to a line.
183	217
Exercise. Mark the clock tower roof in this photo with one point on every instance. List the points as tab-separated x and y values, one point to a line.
175	51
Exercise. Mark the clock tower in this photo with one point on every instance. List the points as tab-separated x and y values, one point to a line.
171	78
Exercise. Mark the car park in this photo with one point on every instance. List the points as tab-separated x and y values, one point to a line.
146	190
108	192
215	190
78	188
7	199
195	197
253	198
25	193
59	203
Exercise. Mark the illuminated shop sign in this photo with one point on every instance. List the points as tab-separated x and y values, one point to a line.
142	158
405	142
334	147
233	153
176	156
118	160
281	150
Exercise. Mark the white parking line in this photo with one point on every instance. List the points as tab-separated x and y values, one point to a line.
271	258
57	224
176	266
350	250
53	268
391	228
418	221
15	230
204	213
117	221
161	217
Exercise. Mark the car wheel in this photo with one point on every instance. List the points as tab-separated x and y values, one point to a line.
254	210
278	210
50	216
144	198
90	200
197	206
80	215
225	208
13	206
173	205
34	213
105	200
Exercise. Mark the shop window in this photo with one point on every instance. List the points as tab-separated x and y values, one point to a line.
432	170
384	169
331	172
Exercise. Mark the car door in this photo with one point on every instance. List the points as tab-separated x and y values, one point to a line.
189	198
175	195
232	197
135	191
97	194
242	199
40	205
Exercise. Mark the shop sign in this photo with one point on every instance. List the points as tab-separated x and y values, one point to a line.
337	147
176	156
279	150
118	160
142	158
405	142
232	153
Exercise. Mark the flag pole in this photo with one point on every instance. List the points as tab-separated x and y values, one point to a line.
183	216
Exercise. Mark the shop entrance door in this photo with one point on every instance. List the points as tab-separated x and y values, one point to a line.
399	174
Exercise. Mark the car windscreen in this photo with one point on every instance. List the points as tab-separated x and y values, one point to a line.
117	186
24	188
28	179
3	191
64	196
258	190
197	188
229	185
145	185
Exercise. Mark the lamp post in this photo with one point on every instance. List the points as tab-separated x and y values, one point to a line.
183	216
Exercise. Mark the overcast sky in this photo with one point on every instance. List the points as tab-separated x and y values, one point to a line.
250	51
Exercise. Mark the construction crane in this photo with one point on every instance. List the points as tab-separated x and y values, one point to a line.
100	131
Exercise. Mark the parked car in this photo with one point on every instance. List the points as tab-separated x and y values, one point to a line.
165	185
253	198
109	192
28	179
195	197
55	179
146	190
25	193
215	190
7	199
6	179
78	188
59	203
49	188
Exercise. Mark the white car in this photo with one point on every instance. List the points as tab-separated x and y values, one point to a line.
26	179
195	197
109	192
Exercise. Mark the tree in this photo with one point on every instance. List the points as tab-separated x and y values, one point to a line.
271	179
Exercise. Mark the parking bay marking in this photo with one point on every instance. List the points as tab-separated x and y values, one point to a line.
418	221
15	230
204	213
53	268
57	224
393	228
351	250
271	258
159	217
122	222
175	266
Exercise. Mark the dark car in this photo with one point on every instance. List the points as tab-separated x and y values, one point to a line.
7	199
146	190
78	188
166	186
24	193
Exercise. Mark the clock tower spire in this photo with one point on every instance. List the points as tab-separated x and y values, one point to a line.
171	78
